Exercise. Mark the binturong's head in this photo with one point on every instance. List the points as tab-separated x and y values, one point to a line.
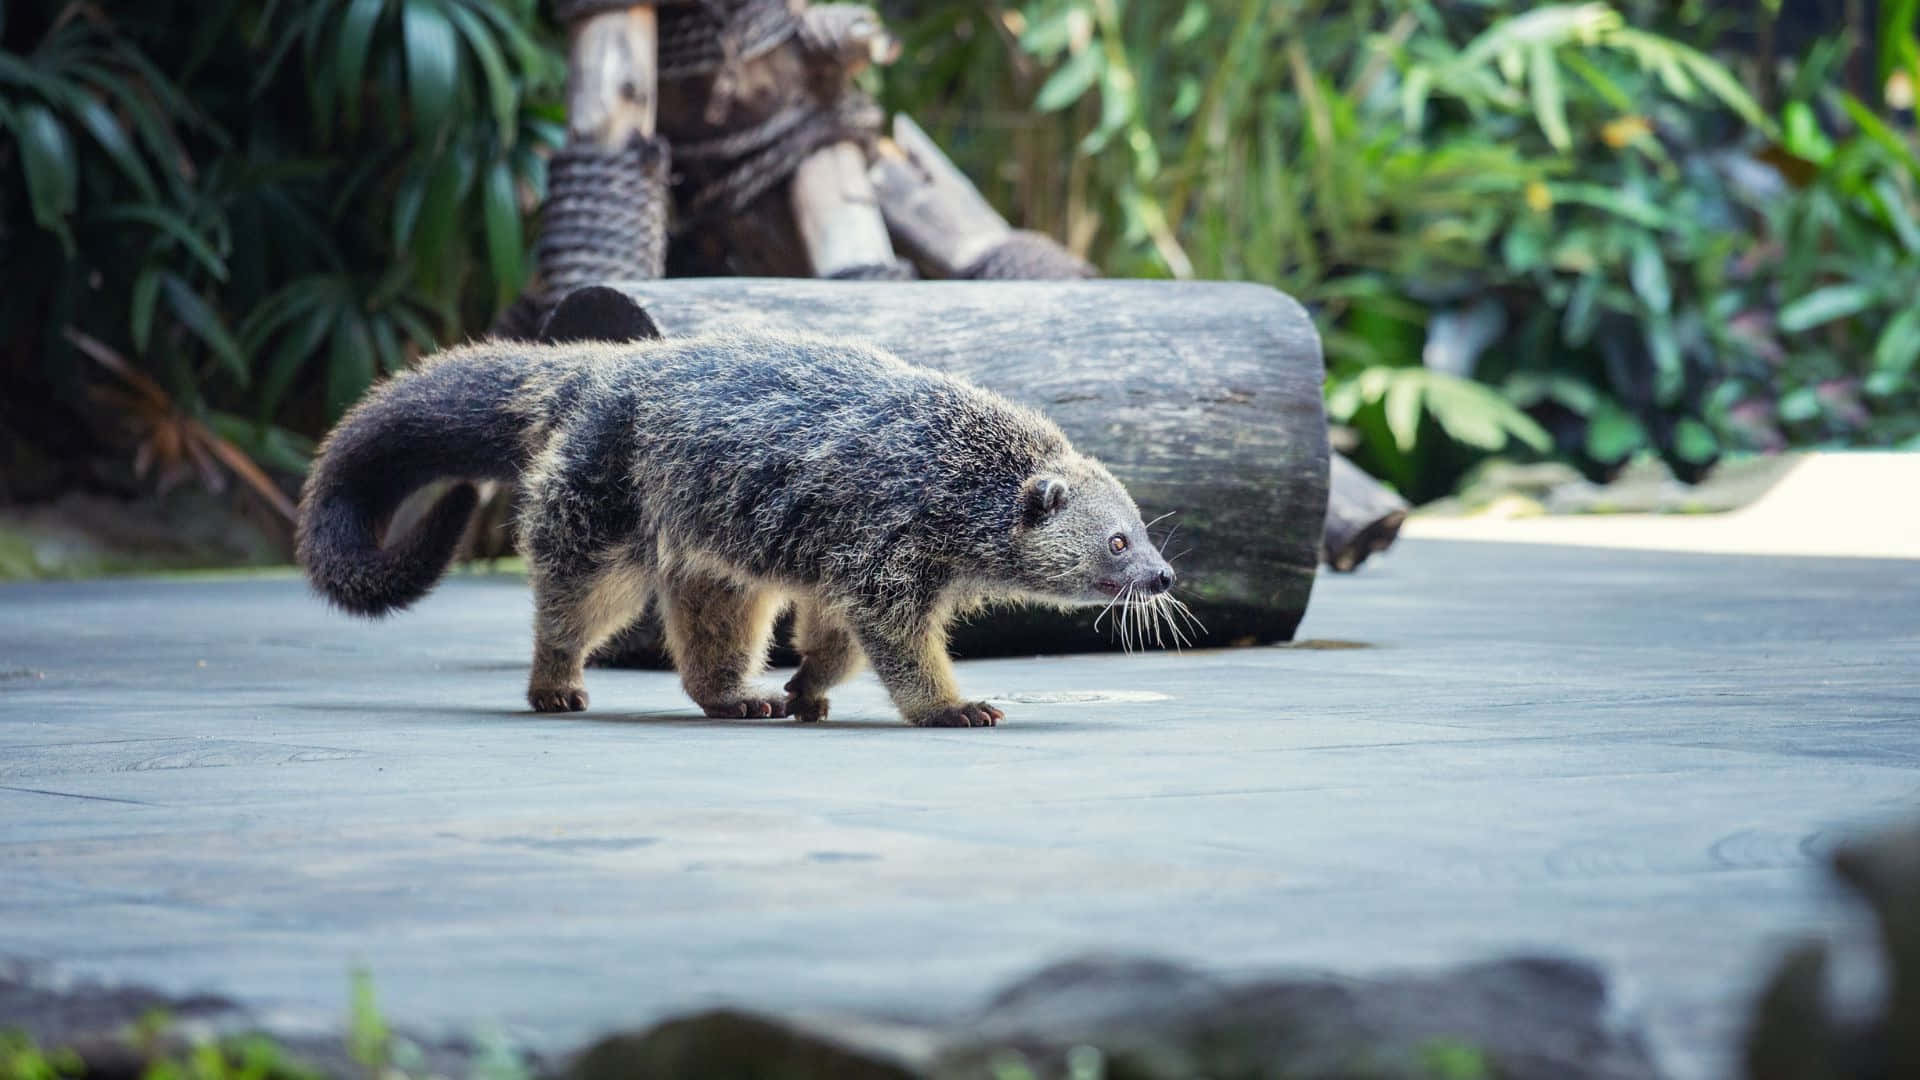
1079	538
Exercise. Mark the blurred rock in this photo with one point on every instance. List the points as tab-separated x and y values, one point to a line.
1144	1019
1798	1034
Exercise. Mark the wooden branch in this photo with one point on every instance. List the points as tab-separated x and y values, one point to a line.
612	77
834	211
940	219
1203	397
1363	516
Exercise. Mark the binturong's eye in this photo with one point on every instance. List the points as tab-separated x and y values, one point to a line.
1118	544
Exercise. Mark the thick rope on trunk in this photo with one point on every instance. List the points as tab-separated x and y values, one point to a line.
605	219
700	37
606	215
724	175
568	11
1028	256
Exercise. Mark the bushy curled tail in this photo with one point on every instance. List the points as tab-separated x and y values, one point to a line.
451	419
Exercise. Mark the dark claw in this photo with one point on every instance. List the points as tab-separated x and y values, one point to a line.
973	714
557	700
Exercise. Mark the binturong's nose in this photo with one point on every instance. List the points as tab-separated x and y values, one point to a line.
1161	581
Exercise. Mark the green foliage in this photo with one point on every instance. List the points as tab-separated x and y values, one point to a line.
21	1059
260	205
1566	227
369	1042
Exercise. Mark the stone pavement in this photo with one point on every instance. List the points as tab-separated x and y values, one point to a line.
1630	756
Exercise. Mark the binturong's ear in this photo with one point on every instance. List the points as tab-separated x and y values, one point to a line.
597	313
1043	497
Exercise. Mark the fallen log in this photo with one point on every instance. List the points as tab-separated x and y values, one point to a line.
1363	515
1204	398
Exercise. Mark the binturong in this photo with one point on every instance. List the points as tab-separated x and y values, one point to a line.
725	478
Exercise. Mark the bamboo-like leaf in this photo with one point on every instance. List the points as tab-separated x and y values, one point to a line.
197	316
1403	408
174	226
1478	416
1070	82
145	295
46	155
297	346
1827	304
1899	346
1878	130
1693	442
350	54
506	242
501	90
106	130
433	64
1648	272
1612	434
1549	101
350	361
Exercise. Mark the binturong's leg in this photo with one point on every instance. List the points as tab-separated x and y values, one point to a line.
718	632
829	653
909	653
573	613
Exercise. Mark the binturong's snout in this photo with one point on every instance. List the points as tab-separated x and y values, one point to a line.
1156	577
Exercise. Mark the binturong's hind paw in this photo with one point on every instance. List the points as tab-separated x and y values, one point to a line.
557	699
752	708
807	710
974	714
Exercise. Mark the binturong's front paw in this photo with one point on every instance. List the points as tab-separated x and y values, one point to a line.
973	714
803	702
557	698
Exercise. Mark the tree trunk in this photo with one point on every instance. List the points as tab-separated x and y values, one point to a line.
1203	398
1363	516
612	77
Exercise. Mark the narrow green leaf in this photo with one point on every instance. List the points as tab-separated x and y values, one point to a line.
1193	19
1612	434
501	90
1648	272
1633	207
408	196
1582	312
1066	85
1878	130
386	344
46	154
506	240
349	363
1825	305
350	54
174	226
1693	442
106	130
1800	405
1549	101
206	325
1899	214
1899	345
146	292
296	347
1669	373
433	65
1478	416
1403	409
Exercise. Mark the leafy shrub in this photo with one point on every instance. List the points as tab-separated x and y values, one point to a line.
1521	227
242	211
